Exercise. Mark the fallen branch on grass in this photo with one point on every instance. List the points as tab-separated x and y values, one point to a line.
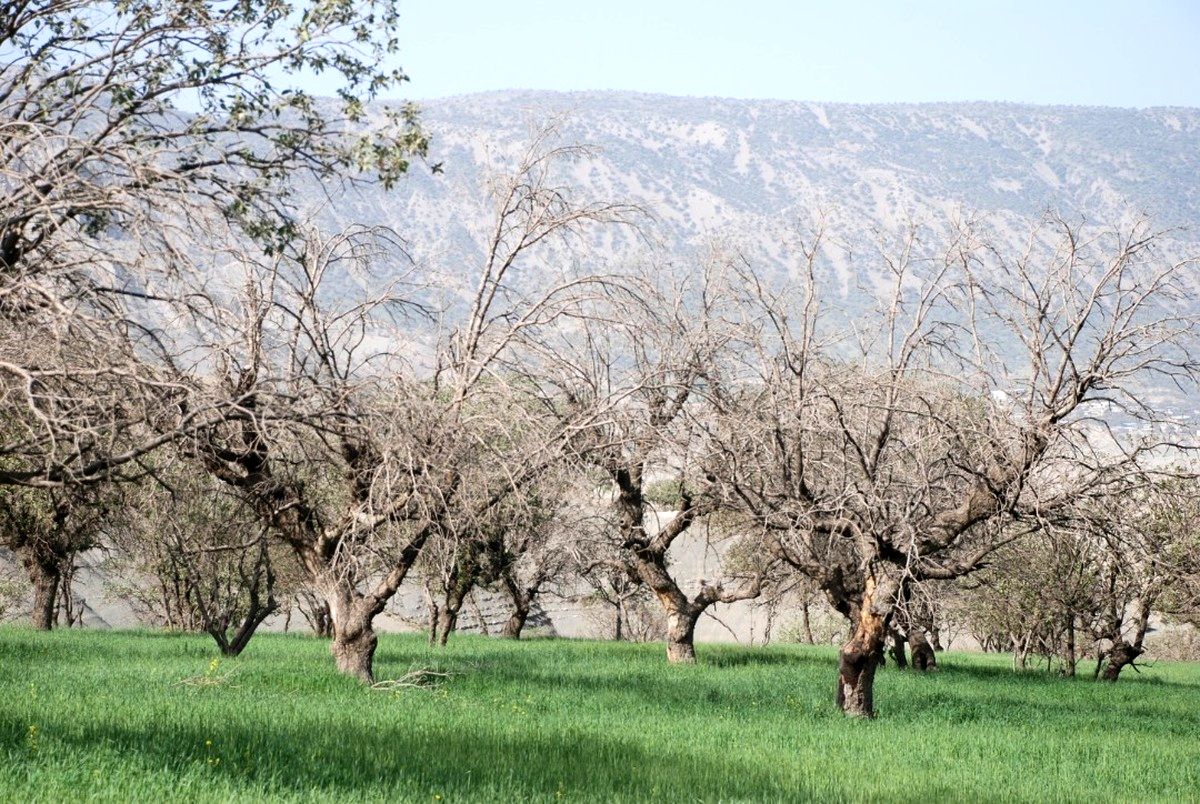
420	678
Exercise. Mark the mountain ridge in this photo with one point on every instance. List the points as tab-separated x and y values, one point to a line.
666	96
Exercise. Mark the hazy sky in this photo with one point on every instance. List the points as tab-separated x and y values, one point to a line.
1132	53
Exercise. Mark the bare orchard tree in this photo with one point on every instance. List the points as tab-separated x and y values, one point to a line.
911	625
625	602
655	358
348	464
47	528
1142	538
517	547
465	554
621	607
127	128
356	459
537	552
910	449
197	558
315	610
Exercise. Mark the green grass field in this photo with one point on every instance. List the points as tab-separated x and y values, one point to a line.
94	715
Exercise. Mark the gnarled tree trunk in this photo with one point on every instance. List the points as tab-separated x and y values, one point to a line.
354	638
45	576
681	632
515	623
923	657
255	616
1120	656
447	614
1124	653
522	597
859	657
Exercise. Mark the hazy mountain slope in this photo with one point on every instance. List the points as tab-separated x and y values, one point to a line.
704	165
749	170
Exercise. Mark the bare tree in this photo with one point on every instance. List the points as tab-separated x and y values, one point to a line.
537	551
518	548
654	359
910	449
47	529
128	127
1141	538
315	610
635	615
357	460
196	559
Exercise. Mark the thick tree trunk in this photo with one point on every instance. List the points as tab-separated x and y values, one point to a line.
856	674
354	638
923	657
355	654
515	623
45	579
859	657
1124	653
681	630
1120	656
447	621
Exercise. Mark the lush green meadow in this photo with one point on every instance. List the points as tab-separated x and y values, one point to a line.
96	715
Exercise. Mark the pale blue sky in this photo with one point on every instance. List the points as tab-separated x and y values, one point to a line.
1143	53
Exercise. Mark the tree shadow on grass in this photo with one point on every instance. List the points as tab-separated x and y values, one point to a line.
22	643
950	707
1006	675
746	657
673	690
342	760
